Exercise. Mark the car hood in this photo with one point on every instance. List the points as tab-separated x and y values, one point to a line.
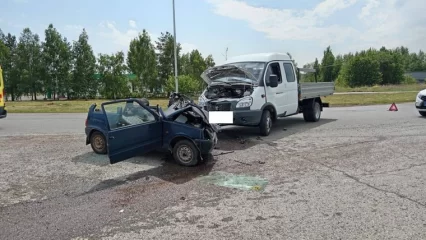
213	74
422	92
170	113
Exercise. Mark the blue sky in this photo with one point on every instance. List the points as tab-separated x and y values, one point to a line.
303	27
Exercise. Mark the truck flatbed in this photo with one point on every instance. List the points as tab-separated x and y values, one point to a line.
314	90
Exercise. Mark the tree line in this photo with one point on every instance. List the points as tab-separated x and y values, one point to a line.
368	67
57	68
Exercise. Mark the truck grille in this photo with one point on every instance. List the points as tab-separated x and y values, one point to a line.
423	98
219	107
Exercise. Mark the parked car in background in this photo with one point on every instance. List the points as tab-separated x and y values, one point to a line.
421	102
130	127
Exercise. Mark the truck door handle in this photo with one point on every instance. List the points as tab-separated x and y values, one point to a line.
279	92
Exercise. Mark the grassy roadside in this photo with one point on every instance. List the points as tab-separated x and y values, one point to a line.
388	88
82	106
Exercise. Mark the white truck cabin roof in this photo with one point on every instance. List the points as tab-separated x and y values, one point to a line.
259	57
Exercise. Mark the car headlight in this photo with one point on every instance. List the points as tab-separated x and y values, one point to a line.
419	95
245	102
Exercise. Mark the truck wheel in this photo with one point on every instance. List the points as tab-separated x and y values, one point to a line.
313	114
423	113
185	153
98	142
265	123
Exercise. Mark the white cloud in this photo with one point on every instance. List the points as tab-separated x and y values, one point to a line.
389	23
132	24
122	38
289	24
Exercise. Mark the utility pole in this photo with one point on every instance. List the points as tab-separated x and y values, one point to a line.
174	33
226	54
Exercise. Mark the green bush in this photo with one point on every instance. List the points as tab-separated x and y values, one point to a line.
408	80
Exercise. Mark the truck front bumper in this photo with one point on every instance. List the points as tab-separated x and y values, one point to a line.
247	117
3	112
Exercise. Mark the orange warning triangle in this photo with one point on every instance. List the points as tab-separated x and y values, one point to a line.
393	107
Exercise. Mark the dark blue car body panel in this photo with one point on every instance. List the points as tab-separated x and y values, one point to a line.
129	141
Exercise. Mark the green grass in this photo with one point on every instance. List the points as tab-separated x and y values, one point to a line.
369	99
387	88
81	106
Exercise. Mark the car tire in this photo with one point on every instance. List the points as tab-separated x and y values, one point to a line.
186	153
98	142
313	114
265	123
423	113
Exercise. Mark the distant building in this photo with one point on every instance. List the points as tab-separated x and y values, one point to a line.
419	76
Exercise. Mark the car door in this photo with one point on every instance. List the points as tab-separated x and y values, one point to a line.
134	129
275	95
291	91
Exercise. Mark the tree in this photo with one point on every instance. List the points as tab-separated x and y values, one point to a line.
187	84
141	60
209	61
28	61
166	64
112	72
10	69
327	65
84	83
360	71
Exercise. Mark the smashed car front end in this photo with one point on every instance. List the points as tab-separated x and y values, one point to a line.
190	122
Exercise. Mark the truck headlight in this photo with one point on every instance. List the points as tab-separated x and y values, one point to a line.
245	102
201	101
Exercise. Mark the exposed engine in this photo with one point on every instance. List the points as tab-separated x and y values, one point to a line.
190	118
228	91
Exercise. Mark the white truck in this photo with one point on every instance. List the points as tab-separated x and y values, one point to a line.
259	88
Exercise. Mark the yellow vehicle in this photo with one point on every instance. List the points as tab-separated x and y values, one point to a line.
3	111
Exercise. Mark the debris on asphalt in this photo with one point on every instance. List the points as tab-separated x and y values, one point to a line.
284	129
261	162
182	198
223	153
260	218
259	138
122	210
248	164
230	180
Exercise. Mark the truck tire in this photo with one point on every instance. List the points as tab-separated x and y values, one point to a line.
265	123
98	142
312	114
423	113
186	153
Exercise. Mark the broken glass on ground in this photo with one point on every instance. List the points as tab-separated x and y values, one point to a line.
230	180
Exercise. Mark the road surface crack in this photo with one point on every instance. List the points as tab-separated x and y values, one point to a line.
369	185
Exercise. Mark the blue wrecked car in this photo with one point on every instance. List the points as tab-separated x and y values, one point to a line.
130	127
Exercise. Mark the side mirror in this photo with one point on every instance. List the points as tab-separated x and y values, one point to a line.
273	80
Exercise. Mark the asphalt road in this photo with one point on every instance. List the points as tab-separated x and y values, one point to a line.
359	173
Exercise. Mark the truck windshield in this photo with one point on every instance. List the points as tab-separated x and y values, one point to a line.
255	68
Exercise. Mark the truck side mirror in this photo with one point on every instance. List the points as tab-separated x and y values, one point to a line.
273	80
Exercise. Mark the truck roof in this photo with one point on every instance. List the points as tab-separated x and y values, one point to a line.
259	57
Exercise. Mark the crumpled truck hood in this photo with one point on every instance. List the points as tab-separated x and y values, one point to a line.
228	70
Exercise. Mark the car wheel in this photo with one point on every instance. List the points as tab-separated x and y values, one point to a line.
98	142
423	113
185	153
265	123
313	114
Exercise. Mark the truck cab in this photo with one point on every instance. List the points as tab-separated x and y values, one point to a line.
259	88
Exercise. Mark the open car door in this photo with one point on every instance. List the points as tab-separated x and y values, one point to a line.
133	129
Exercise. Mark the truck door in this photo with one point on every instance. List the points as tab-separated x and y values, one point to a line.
134	129
291	91
275	95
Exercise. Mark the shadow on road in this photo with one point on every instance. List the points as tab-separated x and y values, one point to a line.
168	171
240	138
